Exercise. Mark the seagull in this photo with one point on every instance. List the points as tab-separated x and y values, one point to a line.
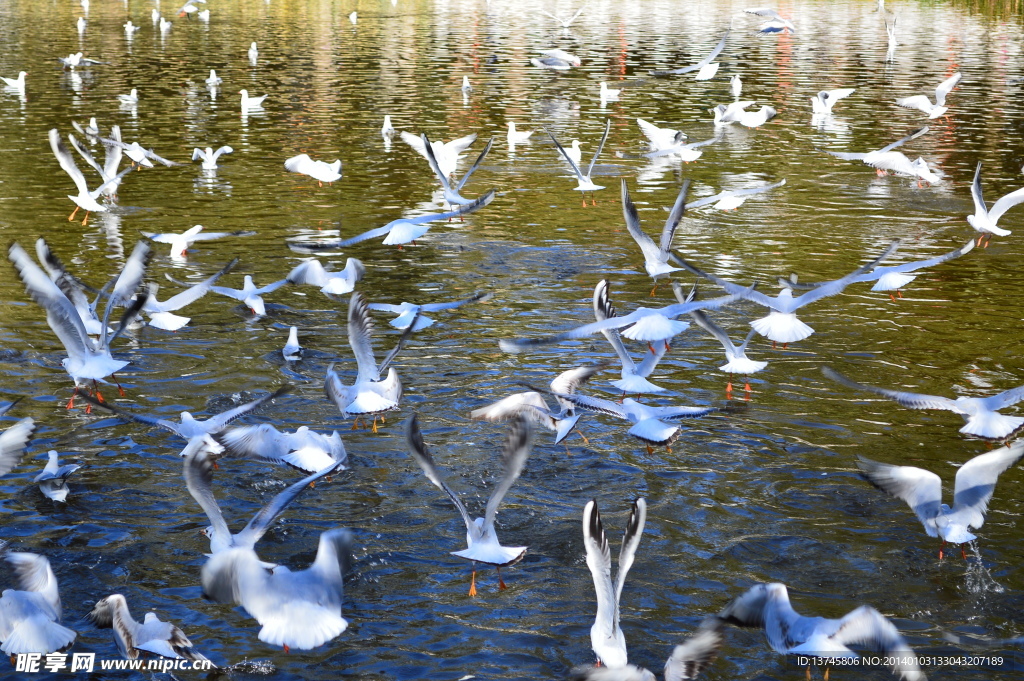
86	198
189	8
80	24
606	638
755	119
452	195
53	480
885	159
447	154
111	161
387	130
77	59
609	94
321	171
732	199
130	29
198	471
353	17
180	243
13	441
567	57
165	25
369	394
155	15
92	131
735	86
209	156
775	23
575	152
984	219
583	181
730	113
15	84
823	102
981	413
152	636
137	153
131	99
890	32
214	80
192	429
533	406
687	661
660	138
565	23
305	449
292	350
466	86
896	277
312	273
922	490
655	255
515	136
407	230
687	152
29	615
407	312
251	103
88	359
301	609
646	324
161	314
922	103
556	60
249	294
650	424
204	15
253	53
70	286
481	537
781	325
706	70
633	378
738	362
767	606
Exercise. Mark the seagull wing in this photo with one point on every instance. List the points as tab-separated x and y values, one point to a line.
668	233
575	168
599	560
1006	203
513	456
198	472
476	164
976	481
604	138
457	146
138	418
930	262
12	443
945	87
921	489
911	400
731	288
920	102
406	335
67	162
629	213
568	382
207	236
914	135
419	451
360	337
836	286
435	307
34	574
764	12
630	543
758	190
217	423
379	231
866	627
1006	398
432	160
84	153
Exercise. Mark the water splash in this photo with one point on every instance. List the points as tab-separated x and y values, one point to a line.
979	579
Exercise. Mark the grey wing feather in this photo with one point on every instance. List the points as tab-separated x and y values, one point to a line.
758	190
198	474
428	151
360	337
930	262
630	543
195	292
920	489
604	138
976	481
33	573
419	451
911	400
12	443
221	420
568	382
914	135
668	234
434	307
867	627
476	164
513	455
691	657
632	218
575	168
406	335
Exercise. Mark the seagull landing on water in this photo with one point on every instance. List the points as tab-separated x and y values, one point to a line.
583	181
705	69
532	405
981	413
209	156
321	171
180	243
130	29
731	199
77	59
823	102
53	480
885	159
129	100
922	490
766	606
556	60
481	536
922	103
775	23
656	256
984	219
311	272
86	198
304	449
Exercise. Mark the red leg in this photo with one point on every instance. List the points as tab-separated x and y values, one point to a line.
71	402
472	582
501	582
119	388
75	212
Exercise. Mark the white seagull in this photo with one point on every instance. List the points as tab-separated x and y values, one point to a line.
556	60
981	413
730	113
656	255
29	615
292	350
606	638
517	136
775	23
130	29
86	198
301	609
823	102
735	86
53	480
407	312
321	171
451	194
161	314
609	94
251	103
688	152
305	449
583	181
922	491
984	219
885	159
565	23
369	394
706	70
633	378
77	59
481	537
111	161
660	138
209	156
387	130
180	243
190	8
407	230
922	103
766	606
214	80
447	154
15	84
130	99
731	199
70	286
311	272
249	294
533	406
151	636
254	53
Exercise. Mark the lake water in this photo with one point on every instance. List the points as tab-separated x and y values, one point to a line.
767	490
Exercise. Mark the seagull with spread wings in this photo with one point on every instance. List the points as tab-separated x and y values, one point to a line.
583	181
922	103
706	70
984	219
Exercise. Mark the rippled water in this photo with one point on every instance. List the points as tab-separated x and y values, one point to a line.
766	491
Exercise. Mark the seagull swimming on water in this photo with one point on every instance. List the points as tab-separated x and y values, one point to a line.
984	219
481	536
981	413
766	606
922	491
583	181
15	84
53	480
251	103
209	156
